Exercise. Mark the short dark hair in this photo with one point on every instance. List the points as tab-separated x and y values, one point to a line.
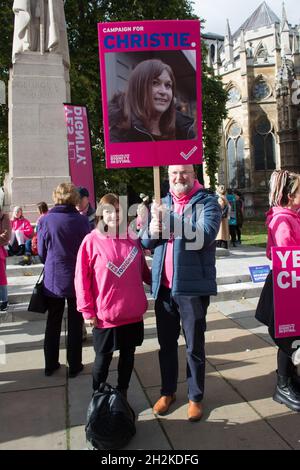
83	192
42	207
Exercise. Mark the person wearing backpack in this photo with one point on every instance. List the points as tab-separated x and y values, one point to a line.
110	271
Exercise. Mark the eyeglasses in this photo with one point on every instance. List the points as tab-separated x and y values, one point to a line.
184	174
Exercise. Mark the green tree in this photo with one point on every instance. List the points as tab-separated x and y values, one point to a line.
214	99
82	18
6	32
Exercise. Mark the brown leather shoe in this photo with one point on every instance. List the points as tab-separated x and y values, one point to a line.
195	411
163	404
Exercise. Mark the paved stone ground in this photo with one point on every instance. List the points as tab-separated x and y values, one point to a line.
38	412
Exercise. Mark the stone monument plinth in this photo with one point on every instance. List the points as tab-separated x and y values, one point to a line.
38	153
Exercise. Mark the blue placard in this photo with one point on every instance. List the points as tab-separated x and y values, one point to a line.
259	273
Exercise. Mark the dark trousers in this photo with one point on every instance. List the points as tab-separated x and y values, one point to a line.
53	330
232	231
191	311
239	233
102	363
285	366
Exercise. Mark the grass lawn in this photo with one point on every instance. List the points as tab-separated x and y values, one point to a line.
254	232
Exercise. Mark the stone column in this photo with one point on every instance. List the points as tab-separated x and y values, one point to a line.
38	153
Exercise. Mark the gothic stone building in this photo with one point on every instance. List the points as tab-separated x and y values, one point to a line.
260	68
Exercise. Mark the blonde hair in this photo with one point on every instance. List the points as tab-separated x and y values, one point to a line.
282	184
15	211
66	193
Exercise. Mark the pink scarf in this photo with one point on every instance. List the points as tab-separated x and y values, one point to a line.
181	201
179	204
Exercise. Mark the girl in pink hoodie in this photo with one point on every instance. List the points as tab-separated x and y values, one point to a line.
283	221
110	294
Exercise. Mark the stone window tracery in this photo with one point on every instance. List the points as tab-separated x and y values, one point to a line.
234	95
235	157
264	145
261	89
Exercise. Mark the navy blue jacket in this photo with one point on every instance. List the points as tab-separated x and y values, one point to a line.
194	272
60	234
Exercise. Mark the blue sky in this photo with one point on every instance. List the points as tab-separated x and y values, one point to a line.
216	11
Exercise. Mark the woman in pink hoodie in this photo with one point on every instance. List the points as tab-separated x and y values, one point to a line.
21	232
283	221
110	294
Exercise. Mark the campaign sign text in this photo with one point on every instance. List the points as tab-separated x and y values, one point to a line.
259	273
79	148
286	285
151	92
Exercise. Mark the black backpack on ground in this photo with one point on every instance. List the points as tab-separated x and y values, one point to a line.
110	419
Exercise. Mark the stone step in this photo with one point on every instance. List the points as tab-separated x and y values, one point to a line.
14	260
15	270
19	297
237	291
243	290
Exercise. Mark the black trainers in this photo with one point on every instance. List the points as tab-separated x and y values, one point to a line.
3	306
26	261
21	250
10	251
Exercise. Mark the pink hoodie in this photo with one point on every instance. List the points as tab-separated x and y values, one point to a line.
179	205
283	228
23	225
109	280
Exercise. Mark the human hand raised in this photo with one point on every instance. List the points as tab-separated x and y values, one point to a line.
92	322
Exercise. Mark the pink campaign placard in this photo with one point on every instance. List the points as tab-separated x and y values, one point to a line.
151	92
286	286
79	148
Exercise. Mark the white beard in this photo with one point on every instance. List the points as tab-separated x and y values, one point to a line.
180	188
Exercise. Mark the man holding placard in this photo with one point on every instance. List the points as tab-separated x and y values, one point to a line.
182	233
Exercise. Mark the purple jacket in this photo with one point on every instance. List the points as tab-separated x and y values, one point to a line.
60	234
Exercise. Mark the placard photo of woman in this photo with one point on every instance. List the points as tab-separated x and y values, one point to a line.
149	108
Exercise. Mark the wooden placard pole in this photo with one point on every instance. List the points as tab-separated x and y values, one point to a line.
156	179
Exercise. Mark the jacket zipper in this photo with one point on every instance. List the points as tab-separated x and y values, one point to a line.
144	132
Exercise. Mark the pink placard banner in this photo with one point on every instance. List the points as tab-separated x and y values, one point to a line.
79	148
286	286
151	92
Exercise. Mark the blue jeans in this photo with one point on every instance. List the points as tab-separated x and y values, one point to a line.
3	294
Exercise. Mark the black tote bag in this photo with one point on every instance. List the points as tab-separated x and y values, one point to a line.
38	301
